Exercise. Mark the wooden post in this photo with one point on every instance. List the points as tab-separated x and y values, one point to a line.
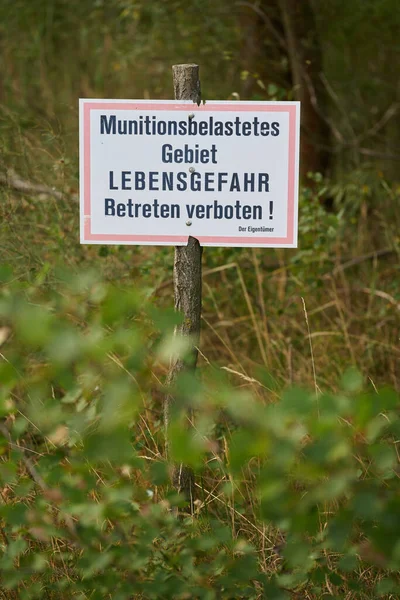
187	293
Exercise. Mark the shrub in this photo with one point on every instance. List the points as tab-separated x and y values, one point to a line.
87	510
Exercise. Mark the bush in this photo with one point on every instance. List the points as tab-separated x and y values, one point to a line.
87	510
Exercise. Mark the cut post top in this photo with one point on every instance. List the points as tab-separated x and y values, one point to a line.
186	82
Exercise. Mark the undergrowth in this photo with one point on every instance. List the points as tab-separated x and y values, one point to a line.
297	493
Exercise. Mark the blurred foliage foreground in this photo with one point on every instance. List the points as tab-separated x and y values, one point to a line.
296	499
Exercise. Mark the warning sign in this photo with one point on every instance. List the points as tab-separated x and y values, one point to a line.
157	172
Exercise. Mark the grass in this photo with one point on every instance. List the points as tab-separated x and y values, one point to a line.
301	316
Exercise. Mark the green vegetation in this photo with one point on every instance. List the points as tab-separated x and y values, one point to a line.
297	491
294	496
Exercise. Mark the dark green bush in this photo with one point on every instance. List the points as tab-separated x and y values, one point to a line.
86	508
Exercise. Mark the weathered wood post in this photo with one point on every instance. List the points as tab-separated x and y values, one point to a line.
187	293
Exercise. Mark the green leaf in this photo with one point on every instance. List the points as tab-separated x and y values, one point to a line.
185	446
113	446
96	562
348	563
8	472
296	401
159	473
352	380
387	586
33	324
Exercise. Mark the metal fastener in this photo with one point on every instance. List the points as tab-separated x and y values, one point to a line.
192	170
191	116
188	223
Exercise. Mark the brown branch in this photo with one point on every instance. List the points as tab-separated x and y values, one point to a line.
315	104
336	101
389	114
359	259
12	180
375	154
267	21
37	478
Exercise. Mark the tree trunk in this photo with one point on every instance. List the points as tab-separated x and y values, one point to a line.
271	31
304	54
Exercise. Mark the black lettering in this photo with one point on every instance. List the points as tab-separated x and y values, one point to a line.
195	182
167	181
130	208
166	153
155	207
200	211
108	126
182	128
228	212
246	129
153	181
122	127
172	127
249	182
161	128
181	186
132	127
190	210
257	212
175	211
140	182
228	128
126	180
265	128
112	187
192	127
237	127
246	212
164	211
209	182
222	179
238	206
275	128
109	207
256	123
235	185
203	128
121	209
217	210
263	180
146	210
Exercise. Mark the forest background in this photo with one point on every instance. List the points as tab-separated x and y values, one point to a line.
271	319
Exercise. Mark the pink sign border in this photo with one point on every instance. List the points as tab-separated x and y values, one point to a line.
88	236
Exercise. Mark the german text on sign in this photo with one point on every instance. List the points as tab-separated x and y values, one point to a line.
157	172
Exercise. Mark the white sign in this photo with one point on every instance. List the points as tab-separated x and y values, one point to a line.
157	172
